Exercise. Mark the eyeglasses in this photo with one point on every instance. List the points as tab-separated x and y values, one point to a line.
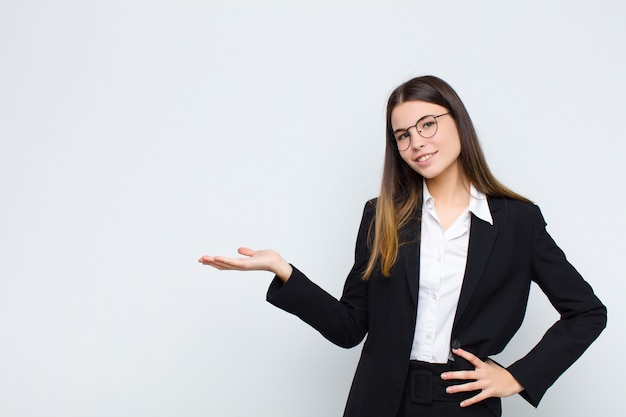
426	127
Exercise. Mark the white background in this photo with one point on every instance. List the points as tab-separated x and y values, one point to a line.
136	136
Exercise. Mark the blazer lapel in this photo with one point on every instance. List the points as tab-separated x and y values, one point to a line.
409	251
482	238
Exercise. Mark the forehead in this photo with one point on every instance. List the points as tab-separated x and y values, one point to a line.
407	113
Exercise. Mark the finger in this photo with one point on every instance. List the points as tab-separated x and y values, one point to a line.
207	260
217	265
224	267
458	375
469	386
222	263
231	263
475	399
246	251
470	357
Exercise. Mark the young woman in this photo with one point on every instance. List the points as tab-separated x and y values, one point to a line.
443	265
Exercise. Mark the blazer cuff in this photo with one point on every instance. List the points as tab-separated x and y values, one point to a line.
279	293
532	394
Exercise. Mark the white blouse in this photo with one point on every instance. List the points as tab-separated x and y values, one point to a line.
443	255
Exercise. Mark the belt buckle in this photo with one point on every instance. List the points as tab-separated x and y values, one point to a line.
421	387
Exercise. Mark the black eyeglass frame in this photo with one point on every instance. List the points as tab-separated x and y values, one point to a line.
395	140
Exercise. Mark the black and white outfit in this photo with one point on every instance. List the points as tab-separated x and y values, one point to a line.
465	287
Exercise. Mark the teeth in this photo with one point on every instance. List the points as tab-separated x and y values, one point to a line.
425	157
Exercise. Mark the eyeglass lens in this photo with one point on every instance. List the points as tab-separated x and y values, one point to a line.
426	128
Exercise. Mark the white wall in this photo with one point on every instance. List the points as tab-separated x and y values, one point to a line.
136	136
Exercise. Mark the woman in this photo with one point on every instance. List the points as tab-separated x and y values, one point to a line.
443	265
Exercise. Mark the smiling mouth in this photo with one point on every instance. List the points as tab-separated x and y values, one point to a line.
426	157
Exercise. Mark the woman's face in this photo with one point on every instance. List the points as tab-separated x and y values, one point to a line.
434	157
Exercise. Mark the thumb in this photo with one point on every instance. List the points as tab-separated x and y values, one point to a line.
246	251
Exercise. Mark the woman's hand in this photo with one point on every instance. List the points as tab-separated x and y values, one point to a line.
254	260
490	378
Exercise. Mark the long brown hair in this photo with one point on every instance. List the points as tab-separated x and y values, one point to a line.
400	198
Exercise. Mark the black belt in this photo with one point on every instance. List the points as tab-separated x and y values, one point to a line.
424	384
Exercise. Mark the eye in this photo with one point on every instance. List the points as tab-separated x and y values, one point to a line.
427	124
402	135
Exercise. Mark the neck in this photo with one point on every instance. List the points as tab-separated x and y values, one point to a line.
451	190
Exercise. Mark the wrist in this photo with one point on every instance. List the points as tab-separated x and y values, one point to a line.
283	270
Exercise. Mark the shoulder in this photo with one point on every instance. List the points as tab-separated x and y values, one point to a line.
509	209
368	217
369	210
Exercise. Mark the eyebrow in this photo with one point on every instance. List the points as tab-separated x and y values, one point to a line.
407	128
415	125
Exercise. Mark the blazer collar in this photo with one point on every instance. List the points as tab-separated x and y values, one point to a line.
481	241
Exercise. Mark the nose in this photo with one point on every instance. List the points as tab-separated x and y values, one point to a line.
417	141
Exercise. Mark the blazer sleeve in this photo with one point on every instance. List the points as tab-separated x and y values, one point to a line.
345	321
582	316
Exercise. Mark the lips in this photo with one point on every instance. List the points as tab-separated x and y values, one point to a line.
425	157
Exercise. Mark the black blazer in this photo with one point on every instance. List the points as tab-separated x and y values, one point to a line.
503	259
